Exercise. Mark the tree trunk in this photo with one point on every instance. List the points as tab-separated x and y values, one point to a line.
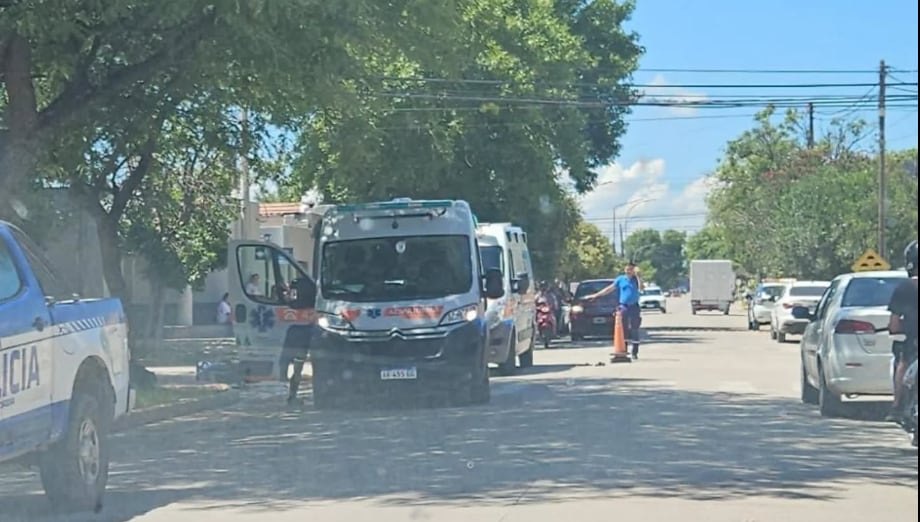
17	141
155	325
110	249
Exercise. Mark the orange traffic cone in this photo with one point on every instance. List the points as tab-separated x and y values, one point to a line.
619	340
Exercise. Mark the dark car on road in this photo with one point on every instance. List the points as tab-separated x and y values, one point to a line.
592	318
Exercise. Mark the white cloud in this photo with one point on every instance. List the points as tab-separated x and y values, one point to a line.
659	91
644	198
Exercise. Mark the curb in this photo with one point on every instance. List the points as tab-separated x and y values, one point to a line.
171	411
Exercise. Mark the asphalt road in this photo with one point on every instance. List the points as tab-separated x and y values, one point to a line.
706	426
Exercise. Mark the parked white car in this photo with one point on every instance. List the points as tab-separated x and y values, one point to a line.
843	351
800	293
763	301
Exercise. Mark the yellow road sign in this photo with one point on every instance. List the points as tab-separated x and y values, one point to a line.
870	261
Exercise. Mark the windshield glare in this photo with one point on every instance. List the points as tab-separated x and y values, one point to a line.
396	268
866	291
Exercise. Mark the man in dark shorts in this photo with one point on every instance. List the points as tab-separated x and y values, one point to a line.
903	323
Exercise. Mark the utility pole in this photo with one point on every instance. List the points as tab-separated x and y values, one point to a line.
622	240
882	189
811	125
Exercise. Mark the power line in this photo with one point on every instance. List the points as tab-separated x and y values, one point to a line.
652	217
898	100
761	71
490	82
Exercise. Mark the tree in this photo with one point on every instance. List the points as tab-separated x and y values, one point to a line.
61	62
669	260
663	252
708	243
781	208
90	90
588	255
179	221
540	91
642	244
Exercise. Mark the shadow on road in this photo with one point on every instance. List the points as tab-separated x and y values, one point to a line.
590	437
690	328
538	369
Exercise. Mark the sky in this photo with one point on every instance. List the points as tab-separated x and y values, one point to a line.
658	181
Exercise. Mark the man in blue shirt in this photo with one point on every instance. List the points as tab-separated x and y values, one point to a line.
627	287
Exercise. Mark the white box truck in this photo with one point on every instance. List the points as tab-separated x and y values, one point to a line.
712	285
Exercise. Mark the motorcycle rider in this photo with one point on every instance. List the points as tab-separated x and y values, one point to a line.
546	292
903	324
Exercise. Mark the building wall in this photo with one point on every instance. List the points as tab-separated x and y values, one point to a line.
74	250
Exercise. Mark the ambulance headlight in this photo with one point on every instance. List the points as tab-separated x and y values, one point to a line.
332	322
461	315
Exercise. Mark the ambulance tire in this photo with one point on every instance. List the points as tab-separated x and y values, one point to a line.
476	390
323	393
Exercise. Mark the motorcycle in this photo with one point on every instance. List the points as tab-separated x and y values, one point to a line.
546	321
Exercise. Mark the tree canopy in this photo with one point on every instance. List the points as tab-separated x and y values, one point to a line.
781	208
661	251
134	107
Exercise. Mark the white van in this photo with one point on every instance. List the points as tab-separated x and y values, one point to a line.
400	302
510	318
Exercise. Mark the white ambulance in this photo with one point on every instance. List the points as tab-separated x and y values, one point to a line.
510	318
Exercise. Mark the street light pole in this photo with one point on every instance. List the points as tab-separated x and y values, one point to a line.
626	220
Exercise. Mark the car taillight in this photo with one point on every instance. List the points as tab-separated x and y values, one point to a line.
849	326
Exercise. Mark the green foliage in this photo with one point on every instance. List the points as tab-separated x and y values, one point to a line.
422	132
588	255
661	252
708	243
647	271
782	209
95	94
178	221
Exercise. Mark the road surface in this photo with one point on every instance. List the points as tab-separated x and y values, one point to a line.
706	426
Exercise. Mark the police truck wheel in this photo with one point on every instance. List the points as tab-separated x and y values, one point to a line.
74	472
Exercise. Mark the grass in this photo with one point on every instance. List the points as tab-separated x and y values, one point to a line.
160	396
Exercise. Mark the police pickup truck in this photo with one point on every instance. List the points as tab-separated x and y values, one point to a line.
64	375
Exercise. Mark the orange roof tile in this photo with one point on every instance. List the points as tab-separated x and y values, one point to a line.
278	209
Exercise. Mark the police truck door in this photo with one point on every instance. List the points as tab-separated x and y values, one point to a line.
26	335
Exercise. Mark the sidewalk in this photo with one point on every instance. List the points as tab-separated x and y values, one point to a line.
172	376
